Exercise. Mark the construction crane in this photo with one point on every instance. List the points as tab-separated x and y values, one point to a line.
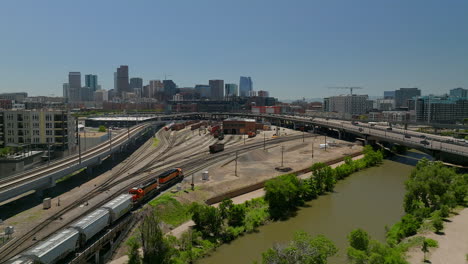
350	88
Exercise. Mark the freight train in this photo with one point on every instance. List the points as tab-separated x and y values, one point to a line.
63	242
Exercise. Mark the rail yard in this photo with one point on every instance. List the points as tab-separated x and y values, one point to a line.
184	147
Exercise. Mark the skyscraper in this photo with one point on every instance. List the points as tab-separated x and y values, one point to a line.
230	90
122	80
217	89
91	81
402	96
245	86
459	92
169	88
136	83
74	86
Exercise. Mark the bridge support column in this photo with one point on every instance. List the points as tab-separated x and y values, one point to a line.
340	134
97	258
89	170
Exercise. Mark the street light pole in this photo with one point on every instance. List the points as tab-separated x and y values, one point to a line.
235	171
264	140
312	147
325	142
48	154
282	151
79	148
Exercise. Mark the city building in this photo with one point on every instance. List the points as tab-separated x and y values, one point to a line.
389	94
169	88
136	83
217	89
385	104
230	90
266	109
101	96
121	79
91	81
263	93
74	87
438	109
17	97
39	129
402	96
350	104
66	88
459	92
177	97
245	86
204	90
238	126
86	94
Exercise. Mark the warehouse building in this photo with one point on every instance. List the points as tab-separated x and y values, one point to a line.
239	126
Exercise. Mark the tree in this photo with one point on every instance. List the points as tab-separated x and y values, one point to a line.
438	224
208	219
155	247
282	193
428	243
236	215
303	249
359	239
133	252
102	128
225	207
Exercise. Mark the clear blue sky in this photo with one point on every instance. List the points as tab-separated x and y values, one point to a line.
293	48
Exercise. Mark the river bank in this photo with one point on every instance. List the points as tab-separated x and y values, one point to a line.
453	243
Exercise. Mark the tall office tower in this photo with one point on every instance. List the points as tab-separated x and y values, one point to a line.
66	95
217	89
402	96
74	86
245	86
351	104
203	90
459	92
169	88
91	81
156	86
122	80
230	90
136	83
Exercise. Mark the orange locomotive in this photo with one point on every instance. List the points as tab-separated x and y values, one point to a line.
155	185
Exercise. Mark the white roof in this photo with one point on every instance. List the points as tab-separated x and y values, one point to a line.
43	248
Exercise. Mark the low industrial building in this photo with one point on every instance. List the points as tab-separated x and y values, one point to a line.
239	126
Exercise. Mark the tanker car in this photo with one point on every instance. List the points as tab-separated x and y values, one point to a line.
65	241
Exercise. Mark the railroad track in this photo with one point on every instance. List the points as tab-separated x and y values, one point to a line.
18	180
195	163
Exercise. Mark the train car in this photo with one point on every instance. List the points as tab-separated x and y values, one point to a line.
216	148
55	248
92	224
177	127
196	126
170	175
251	134
138	193
214	129
119	206
21	260
167	127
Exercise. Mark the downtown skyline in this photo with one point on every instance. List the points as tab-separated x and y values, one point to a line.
379	46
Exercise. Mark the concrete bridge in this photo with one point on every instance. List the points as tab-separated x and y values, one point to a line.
441	147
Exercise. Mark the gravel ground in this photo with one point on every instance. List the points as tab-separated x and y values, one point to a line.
453	244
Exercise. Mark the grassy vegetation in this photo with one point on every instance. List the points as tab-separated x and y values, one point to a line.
170	210
67	177
155	142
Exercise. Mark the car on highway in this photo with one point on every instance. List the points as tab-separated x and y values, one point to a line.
389	128
425	142
407	136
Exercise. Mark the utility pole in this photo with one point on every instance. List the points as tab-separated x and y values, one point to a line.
264	140
48	154
282	151
303	134
313	147
128	127
235	171
244	138
84	133
110	139
79	148
325	142
193	183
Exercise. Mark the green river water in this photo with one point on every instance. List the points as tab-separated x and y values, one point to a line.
369	199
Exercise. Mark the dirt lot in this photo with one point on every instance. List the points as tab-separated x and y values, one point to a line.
453	243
